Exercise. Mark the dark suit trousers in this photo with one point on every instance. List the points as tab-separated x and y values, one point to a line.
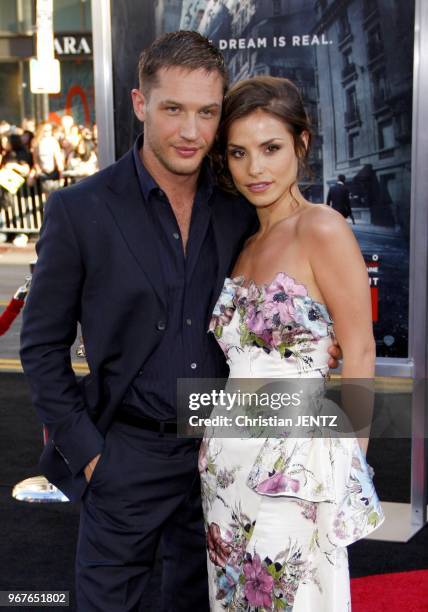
144	492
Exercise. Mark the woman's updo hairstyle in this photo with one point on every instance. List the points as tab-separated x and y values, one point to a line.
278	97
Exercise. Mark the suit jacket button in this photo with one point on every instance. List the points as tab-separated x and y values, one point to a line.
161	325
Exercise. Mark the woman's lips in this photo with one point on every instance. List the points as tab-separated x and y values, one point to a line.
186	151
258	187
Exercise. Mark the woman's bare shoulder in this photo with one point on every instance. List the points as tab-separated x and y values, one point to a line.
321	222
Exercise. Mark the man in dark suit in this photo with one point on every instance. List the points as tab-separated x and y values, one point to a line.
338	198
137	254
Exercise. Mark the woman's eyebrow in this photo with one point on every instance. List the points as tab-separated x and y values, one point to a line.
262	144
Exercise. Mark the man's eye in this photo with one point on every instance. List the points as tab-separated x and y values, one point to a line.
173	110
272	148
207	113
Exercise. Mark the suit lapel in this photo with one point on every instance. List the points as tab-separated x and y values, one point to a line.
127	207
225	238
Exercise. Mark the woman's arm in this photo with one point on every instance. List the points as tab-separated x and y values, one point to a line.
341	275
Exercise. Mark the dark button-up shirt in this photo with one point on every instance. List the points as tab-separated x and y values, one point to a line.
186	350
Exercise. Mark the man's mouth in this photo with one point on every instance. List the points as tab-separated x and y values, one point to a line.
187	151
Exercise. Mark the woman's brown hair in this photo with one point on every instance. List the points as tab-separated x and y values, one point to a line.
276	96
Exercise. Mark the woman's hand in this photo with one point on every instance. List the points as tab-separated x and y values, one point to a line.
335	353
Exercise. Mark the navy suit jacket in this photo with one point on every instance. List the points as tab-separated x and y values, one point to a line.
98	265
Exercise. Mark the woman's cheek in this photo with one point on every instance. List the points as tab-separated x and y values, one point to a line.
234	171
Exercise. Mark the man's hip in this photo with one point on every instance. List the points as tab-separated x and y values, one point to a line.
144	494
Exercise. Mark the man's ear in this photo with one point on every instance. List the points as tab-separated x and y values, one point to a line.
139	103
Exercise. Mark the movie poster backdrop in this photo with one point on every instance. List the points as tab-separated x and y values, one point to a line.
353	63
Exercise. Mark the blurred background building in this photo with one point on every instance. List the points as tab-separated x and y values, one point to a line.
73	48
47	141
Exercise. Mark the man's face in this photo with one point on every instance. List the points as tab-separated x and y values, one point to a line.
181	116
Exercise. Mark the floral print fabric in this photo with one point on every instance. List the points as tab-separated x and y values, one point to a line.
279	513
279	316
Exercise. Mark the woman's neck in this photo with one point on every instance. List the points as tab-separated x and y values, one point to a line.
287	206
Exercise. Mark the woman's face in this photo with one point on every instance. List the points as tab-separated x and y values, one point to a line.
261	158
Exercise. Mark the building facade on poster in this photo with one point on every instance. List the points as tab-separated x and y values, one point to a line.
365	86
366	116
167	15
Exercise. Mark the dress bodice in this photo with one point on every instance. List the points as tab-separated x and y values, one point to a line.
272	330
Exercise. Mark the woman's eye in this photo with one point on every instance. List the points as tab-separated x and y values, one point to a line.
236	153
272	148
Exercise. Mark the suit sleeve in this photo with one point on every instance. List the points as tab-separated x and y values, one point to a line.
347	202
49	330
347	199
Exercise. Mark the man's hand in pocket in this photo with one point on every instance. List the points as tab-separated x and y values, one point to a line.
90	468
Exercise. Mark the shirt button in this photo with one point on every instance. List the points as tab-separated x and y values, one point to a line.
140	372
189	321
176	235
193	365
161	325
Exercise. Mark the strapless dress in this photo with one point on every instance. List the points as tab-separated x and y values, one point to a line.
279	512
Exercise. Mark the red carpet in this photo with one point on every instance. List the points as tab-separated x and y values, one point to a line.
396	592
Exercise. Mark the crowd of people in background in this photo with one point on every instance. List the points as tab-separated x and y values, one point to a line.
49	152
47	155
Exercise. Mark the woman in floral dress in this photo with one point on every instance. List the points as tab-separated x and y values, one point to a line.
280	511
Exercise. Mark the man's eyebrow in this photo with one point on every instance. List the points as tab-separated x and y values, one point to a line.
170	102
174	103
262	144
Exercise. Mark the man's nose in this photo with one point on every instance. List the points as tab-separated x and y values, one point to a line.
189	128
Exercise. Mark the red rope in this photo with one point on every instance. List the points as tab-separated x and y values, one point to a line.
9	315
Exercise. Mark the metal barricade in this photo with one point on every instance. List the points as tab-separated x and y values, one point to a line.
22	213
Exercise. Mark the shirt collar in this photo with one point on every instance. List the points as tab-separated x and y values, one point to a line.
206	181
147	182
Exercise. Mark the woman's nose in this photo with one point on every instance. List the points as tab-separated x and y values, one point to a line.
255	167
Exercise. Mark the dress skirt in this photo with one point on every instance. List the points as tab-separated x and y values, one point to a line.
266	552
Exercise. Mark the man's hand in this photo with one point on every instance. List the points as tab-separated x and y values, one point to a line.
335	353
90	468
